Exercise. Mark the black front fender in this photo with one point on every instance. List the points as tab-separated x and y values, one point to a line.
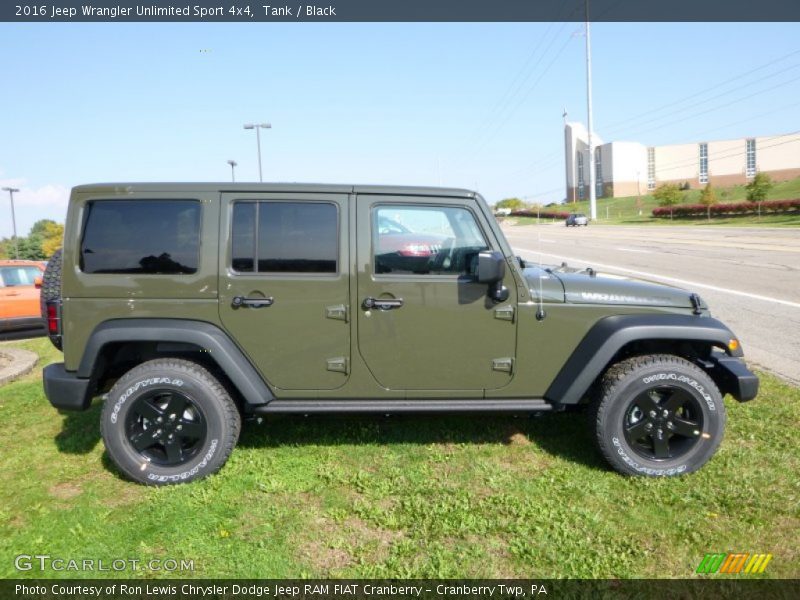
610	334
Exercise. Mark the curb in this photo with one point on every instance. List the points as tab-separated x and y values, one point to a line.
22	362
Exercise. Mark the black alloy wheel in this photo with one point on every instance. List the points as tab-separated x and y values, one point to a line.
166	427
663	423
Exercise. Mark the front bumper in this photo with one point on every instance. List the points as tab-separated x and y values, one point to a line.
64	389
733	377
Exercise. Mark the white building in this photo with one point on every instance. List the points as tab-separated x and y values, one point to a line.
631	168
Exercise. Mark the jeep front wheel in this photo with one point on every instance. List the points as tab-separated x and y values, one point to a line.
658	415
169	421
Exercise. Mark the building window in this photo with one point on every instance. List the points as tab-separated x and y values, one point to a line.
703	163
750	160
598	173
581	181
651	168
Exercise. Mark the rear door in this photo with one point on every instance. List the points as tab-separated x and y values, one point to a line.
284	286
423	325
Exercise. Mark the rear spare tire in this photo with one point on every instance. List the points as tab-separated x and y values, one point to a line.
51	289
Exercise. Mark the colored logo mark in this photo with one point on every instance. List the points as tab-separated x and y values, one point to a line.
741	562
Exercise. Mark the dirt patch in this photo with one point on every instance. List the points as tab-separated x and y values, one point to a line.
65	491
514	437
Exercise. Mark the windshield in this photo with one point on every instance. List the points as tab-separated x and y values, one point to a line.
11	276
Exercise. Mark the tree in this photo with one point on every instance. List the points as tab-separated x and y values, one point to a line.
512	203
52	238
708	196
758	188
668	194
30	248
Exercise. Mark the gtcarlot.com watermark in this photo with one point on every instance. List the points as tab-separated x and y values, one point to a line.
45	562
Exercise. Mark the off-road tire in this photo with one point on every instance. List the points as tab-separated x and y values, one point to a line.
51	289
169	378
662	376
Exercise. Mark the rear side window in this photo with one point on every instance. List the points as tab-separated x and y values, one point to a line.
285	237
141	236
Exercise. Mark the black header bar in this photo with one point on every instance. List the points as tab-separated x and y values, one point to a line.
246	11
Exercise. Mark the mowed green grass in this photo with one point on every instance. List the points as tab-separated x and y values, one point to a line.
621	211
401	497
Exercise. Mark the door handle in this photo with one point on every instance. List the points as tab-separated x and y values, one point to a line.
252	302
370	303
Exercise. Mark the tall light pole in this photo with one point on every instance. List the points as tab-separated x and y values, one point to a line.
233	164
258	127
592	192
11	191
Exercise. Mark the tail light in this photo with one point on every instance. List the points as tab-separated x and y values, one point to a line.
53	318
419	249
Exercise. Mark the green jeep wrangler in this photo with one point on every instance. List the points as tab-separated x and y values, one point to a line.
190	307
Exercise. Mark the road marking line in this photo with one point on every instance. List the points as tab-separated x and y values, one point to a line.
635	250
665	278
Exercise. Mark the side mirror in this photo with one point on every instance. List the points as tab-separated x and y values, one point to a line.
491	269
37	281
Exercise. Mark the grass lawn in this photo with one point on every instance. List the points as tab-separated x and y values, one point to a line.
623	211
401	497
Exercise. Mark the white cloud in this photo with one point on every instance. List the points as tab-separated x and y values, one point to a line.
31	204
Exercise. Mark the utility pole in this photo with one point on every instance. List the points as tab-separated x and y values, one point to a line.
592	191
11	191
233	164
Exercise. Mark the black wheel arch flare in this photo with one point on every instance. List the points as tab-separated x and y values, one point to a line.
610	334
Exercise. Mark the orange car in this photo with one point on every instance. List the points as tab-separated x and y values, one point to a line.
20	281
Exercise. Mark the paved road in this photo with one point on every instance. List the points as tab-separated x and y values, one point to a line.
750	277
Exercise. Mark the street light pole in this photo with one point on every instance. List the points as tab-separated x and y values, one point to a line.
258	127
592	192
233	164
11	191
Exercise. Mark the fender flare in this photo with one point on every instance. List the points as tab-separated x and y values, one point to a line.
210	338
610	334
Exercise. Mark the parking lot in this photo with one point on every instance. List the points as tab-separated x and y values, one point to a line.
749	276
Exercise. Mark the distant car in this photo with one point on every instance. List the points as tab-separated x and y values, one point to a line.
20	281
576	219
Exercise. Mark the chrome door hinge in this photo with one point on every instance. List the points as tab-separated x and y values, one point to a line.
505	365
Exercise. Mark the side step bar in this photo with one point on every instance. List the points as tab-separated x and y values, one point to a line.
477	405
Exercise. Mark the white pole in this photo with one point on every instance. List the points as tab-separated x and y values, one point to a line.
592	192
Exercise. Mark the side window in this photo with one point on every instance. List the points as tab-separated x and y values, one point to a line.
425	240
285	237
141	236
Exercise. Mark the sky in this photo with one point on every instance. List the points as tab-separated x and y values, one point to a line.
475	105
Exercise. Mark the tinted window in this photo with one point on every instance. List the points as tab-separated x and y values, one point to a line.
285	237
244	236
425	240
141	236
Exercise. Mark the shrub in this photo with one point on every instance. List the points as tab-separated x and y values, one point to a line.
734	208
758	188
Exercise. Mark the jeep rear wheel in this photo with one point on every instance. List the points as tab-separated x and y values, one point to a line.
658	415
169	421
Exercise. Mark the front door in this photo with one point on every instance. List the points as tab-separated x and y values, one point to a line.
424	325
284	291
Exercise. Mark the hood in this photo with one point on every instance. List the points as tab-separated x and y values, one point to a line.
563	284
